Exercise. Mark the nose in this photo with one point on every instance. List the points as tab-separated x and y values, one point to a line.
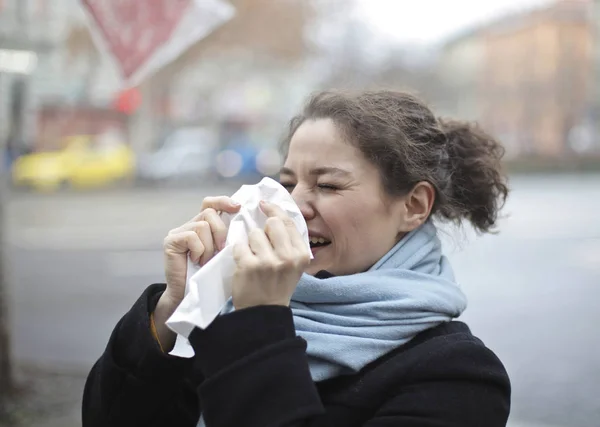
304	202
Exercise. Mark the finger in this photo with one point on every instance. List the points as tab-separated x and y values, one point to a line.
221	203
185	241
274	211
206	237
202	229
217	227
242	254
279	236
260	244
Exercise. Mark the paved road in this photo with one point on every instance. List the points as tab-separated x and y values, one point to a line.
78	263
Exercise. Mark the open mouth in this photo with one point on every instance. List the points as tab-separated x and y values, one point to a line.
318	242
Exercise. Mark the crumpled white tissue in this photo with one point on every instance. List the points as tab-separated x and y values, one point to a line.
208	288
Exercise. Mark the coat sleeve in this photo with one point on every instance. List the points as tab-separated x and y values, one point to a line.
134	383
464	384
256	370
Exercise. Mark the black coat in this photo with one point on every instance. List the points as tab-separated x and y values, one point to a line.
251	370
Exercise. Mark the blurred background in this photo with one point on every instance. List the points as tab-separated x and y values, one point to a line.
99	161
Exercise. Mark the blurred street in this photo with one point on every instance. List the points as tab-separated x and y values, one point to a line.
79	261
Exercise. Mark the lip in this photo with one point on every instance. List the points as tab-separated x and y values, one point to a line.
317	249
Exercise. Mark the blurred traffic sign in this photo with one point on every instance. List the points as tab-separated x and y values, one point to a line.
141	36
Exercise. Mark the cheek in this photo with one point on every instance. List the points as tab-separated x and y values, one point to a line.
352	223
371	236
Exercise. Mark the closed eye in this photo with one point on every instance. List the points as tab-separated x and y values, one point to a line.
328	187
288	186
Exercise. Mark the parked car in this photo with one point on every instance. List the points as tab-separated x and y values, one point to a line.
187	154
83	163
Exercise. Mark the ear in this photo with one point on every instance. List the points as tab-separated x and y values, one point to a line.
417	206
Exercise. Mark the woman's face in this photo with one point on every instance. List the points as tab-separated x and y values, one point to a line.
340	195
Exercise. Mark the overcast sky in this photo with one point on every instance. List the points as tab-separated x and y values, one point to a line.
425	21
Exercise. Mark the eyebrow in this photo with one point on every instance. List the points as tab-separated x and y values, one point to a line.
325	170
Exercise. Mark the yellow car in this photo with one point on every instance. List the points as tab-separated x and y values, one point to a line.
79	165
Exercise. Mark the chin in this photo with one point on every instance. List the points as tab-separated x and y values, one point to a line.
313	269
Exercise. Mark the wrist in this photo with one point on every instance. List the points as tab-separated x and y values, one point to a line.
168	301
165	307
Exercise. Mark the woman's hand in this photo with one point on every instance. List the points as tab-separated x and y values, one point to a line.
269	266
200	238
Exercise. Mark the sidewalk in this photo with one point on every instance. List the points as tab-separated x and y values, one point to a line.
46	399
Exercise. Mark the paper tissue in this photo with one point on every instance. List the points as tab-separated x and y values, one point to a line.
208	288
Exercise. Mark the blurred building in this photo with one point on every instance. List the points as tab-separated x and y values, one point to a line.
29	32
53	95
526	77
594	94
251	73
459	71
536	77
247	76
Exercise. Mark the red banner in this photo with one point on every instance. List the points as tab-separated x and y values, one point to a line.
134	29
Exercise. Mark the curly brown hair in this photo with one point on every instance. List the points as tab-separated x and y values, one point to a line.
399	134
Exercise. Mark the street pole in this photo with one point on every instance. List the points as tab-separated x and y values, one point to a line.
6	367
6	378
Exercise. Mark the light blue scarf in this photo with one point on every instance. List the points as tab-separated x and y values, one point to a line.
350	321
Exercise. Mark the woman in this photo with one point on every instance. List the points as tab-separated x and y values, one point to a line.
365	336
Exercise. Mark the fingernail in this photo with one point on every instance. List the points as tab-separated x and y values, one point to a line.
234	203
